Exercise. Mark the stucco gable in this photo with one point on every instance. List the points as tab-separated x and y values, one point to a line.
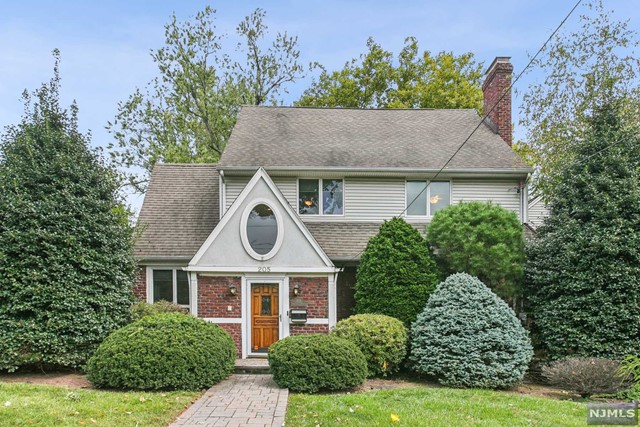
224	250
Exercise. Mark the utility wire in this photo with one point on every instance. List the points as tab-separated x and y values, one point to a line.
490	111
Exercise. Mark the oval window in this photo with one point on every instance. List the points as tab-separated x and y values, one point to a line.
262	229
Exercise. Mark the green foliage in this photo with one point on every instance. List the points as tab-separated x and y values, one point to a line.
141	309
481	239
417	81
312	363
66	262
382	340
468	337
185	115
167	351
586	376
396	274
583	270
583	69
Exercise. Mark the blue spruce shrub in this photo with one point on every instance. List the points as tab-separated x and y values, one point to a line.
468	337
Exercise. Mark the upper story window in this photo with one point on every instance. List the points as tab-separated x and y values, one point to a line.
426	200
170	285
320	197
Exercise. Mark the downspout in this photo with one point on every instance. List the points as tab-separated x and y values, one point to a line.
334	317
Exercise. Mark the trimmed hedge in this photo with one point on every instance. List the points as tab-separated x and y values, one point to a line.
396	274
468	337
382	340
311	363
142	309
167	351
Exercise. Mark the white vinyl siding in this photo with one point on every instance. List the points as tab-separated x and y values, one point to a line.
373	199
503	192
287	185
537	212
377	199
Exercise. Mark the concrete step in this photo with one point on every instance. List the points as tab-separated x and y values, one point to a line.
252	366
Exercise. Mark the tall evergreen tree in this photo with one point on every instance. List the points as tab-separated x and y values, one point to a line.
397	273
583	270
66	262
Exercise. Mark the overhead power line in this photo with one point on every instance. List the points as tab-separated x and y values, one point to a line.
542	48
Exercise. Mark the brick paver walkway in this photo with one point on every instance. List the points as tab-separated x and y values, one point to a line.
240	400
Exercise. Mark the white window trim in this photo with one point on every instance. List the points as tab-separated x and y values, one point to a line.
320	199
243	229
174	270
428	183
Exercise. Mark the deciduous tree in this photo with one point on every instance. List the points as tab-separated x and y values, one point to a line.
416	80
583	70
186	114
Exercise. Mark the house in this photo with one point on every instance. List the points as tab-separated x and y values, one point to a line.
537	211
266	242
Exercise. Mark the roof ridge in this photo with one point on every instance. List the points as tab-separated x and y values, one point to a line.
303	107
213	165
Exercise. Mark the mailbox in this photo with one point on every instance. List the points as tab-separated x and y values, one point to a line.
298	316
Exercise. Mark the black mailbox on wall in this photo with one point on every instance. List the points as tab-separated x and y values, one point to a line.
298	315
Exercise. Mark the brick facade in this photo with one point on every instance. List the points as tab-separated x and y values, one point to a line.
314	296
140	285
497	82
308	329
235	330
214	298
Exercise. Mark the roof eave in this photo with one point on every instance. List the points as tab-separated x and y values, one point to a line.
374	171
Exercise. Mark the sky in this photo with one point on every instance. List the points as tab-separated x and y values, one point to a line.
105	45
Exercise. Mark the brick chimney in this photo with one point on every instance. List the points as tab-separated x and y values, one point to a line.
497	82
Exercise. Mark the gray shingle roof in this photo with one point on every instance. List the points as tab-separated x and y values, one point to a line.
345	241
274	137
179	212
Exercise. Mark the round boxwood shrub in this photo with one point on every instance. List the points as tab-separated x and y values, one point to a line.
168	351
141	309
382	339
310	363
468	337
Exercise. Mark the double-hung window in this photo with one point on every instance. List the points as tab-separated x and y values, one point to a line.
321	197
425	199
170	285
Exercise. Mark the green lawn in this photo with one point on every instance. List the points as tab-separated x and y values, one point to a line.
39	405
423	406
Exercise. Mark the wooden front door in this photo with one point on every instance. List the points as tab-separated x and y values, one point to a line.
264	316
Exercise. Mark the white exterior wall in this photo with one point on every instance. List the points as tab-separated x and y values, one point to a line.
537	212
377	199
503	192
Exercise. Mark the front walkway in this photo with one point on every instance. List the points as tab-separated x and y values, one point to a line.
240	400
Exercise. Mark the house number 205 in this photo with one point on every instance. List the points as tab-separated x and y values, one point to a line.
264	269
